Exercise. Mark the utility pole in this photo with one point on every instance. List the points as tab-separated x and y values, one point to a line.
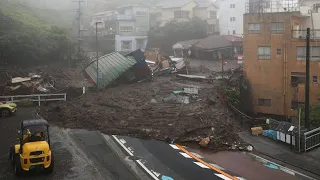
97	55
307	86
79	22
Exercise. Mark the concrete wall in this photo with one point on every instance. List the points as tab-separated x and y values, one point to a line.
224	14
271	79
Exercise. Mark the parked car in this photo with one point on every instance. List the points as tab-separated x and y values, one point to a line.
8	109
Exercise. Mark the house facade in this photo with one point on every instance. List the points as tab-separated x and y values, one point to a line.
275	56
230	16
128	25
185	10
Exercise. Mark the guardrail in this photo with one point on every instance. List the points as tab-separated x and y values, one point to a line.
35	98
311	139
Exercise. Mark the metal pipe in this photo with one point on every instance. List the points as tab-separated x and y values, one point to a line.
97	55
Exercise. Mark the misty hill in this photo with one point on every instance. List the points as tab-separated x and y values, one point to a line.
27	38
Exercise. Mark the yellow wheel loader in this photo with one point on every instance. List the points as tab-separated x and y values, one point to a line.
33	150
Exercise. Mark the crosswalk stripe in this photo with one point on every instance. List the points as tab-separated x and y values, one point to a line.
223	177
185	155
201	165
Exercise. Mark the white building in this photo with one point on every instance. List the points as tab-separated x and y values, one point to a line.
230	15
129	25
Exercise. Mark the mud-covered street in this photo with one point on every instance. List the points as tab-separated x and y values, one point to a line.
73	151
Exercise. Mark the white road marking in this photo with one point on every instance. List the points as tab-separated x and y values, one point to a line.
138	161
241	178
122	141
185	155
173	146
123	146
201	165
217	166
223	176
284	169
287	170
131	149
197	155
155	173
147	170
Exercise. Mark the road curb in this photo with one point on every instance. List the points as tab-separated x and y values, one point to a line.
281	167
138	162
118	155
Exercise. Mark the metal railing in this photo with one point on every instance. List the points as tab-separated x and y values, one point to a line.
273	6
311	139
35	98
302	34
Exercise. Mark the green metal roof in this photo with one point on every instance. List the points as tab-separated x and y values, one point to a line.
111	66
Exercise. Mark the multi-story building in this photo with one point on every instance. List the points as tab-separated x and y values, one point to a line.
185	10
230	16
129	25
275	54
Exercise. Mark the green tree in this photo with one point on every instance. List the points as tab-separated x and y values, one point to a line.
175	31
27	39
314	115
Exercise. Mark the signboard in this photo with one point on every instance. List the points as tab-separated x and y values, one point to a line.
240	59
99	75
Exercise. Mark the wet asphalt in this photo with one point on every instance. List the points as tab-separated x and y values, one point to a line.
78	154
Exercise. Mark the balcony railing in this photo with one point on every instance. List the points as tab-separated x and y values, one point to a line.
271	6
302	34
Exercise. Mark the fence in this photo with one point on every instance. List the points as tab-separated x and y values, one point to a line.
311	139
35	98
271	6
302	34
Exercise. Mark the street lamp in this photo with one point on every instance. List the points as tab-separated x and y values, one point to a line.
97	55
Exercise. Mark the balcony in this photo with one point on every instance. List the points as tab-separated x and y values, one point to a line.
120	17
271	6
302	34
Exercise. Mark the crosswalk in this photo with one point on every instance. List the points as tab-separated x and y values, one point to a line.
219	171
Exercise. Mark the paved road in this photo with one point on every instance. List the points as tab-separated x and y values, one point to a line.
164	159
79	154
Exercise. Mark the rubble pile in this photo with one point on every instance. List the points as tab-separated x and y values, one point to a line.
39	80
169	106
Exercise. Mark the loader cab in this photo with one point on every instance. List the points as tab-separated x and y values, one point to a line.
32	131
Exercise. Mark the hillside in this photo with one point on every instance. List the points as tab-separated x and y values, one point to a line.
27	38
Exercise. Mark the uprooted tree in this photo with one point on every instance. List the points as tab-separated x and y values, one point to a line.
175	31
27	39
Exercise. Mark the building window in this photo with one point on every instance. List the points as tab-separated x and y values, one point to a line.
294	104
140	44
264	102
254	28
126	28
297	78
181	14
234	32
141	13
277	27
314	53
315	79
264	52
126	45
232	19
278	52
212	14
232	6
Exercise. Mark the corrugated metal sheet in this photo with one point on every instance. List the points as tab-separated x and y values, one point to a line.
111	66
